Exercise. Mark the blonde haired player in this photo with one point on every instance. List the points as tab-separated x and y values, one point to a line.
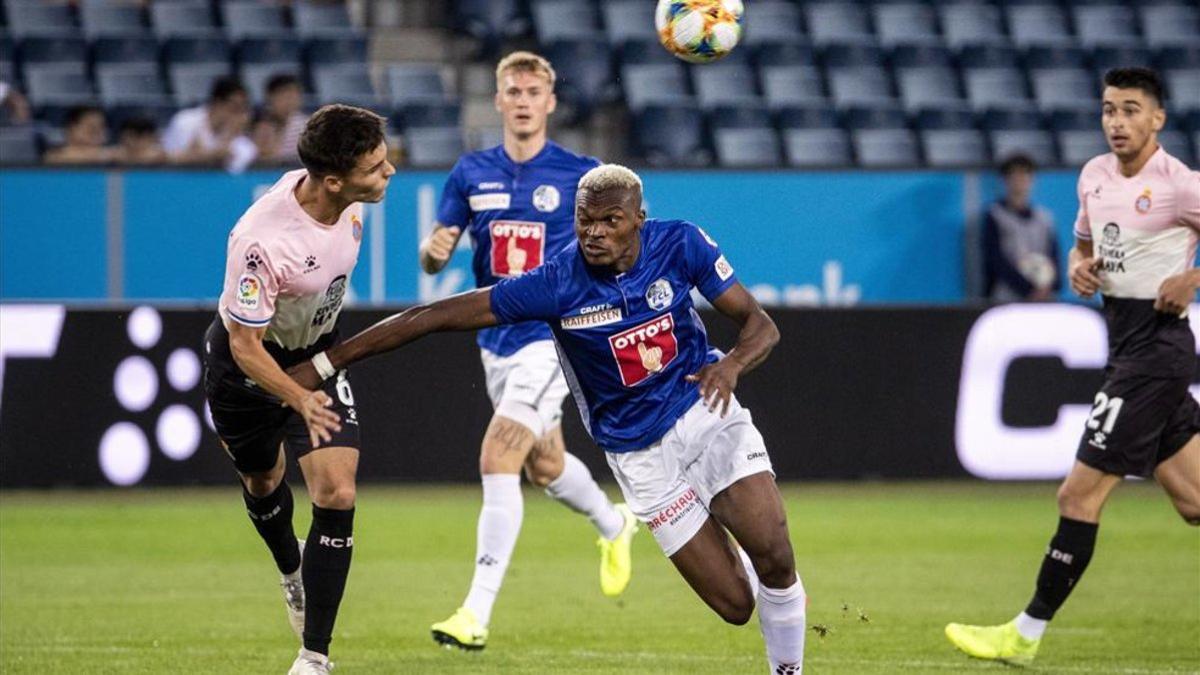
516	200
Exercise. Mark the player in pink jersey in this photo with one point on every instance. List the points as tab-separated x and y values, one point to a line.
1135	244
288	264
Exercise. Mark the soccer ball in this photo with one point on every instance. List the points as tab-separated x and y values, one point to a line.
699	31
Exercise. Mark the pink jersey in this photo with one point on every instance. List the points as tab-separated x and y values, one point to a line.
1143	227
286	271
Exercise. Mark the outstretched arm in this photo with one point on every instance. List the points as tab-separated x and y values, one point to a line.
466	311
757	337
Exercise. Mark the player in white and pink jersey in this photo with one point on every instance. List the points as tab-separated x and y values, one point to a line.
288	264
1135	243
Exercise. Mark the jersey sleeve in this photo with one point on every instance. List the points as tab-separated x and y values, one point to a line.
1189	199
1083	226
707	268
529	297
252	284
454	210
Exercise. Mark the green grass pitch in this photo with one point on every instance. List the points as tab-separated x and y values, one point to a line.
176	581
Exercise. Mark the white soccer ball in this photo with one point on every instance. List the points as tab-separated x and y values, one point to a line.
699	31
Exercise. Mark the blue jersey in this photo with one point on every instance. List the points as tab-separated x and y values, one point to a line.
626	341
516	214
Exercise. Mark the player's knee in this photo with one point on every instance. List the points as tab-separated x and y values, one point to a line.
262	484
737	609
776	568
1077	505
335	496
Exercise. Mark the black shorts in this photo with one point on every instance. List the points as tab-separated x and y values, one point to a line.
1138	422
252	423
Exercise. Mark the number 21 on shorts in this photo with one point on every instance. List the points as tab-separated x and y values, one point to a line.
1109	407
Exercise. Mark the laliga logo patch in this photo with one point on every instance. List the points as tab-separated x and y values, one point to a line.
249	291
723	268
660	294
1143	202
546	198
644	350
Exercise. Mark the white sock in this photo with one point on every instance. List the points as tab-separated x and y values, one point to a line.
782	618
576	488
499	525
1029	627
749	570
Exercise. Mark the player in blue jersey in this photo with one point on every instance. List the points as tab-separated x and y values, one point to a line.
653	394
516	202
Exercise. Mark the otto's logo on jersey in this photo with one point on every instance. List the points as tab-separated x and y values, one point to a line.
517	247
1143	202
660	294
644	350
249	292
546	198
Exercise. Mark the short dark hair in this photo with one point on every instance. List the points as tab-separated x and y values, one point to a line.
1137	77
225	88
336	136
1017	162
137	125
76	113
280	81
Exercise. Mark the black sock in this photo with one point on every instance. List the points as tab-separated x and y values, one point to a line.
326	565
1066	559
272	517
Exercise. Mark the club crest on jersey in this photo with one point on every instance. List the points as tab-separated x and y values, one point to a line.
249	292
546	198
1143	202
660	294
356	227
643	351
517	246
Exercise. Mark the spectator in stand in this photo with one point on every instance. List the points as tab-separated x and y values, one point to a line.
14	109
1020	247
137	143
278	127
85	135
214	133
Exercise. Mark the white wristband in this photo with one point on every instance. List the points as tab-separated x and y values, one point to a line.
324	366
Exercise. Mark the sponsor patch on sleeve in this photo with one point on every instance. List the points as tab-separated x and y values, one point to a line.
723	268
249	292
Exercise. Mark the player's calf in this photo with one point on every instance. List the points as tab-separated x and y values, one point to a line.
545	462
506	444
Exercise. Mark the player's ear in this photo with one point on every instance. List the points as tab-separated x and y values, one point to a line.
1158	118
332	183
553	103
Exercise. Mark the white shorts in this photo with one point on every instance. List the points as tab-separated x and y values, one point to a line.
529	379
670	484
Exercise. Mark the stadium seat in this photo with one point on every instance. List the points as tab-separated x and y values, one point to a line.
886	148
837	22
906	23
57	84
1059	88
1165	25
1183	90
970	23
644	52
269	50
949	139
191	82
859	85
1179	56
1174	140
654	83
1037	24
124	50
345	83
431	114
130	83
995	87
433	147
739	116
928	87
753	147
182	18
322	19
585	75
772	22
810	148
1114	56
256	75
807	116
250	18
196	49
490	21
1079	136
320	51
49	49
415	83
565	20
918	55
1052	56
31	18
486	137
628	20
18	145
670	134
724	84
1105	25
795	53
1010	131
875	117
112	20
785	86
988	56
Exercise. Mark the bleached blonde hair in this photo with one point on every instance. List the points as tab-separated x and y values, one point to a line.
526	62
608	177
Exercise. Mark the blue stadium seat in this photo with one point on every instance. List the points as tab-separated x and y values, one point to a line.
191	82
769	22
182	18
433	146
837	22
785	86
795	53
1166	25
1105	25
250	18
969	23
817	147
1038	24
885	148
1059	88
1010	131
919	55
875	117
124	49
928	87
57	84
415	83
654	83
906	23
1179	56
196	49
50	49
31	18
1047	56
18	145
256	75
739	116
263	49
843	54
949	139
859	85
724	84
988	56
751	147
1183	89
320	51
810	116
112	20
1174	140
490	21
322	19
565	20
671	135
345	83
130	84
1079	136
644	52
628	20
585	73
423	115
1116	56
995	87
